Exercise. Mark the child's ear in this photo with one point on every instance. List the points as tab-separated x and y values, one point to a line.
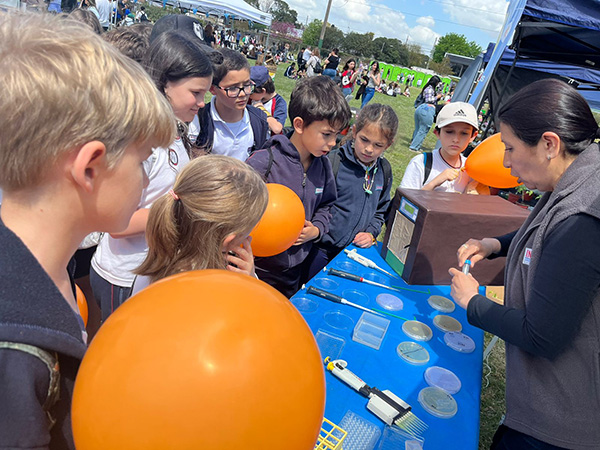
213	89
227	243
298	124
89	162
475	133
436	132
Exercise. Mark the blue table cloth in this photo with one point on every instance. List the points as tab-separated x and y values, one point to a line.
383	368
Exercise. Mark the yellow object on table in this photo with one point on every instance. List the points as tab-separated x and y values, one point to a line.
331	436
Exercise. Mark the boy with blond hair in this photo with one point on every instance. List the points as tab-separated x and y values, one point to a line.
97	116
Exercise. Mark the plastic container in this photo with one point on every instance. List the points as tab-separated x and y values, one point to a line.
339	320
348	266
304	304
413	353
329	344
394	438
362	434
354	296
370	330
441	304
447	323
325	283
389	302
442	378
376	277
438	402
459	342
417	330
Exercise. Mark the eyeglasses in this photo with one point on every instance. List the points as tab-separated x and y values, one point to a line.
235	91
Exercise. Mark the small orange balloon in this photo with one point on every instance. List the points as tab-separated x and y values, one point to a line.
201	360
484	164
82	304
281	224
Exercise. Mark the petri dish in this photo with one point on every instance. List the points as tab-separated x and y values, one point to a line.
338	320
442	304
329	344
354	296
389	302
413	353
304	304
376	277
325	283
347	266
438	402
417	330
459	342
442	378
447	323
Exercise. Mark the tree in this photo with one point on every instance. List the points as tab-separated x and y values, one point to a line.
416	58
358	44
253	3
334	37
457	44
282	12
442	68
390	50
311	33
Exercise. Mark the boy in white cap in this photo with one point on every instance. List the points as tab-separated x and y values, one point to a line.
456	126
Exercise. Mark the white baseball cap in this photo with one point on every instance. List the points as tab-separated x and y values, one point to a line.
457	112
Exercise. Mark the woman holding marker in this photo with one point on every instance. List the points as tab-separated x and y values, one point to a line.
552	303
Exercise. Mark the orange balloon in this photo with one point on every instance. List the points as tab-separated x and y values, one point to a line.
201	360
82	304
281	224
484	164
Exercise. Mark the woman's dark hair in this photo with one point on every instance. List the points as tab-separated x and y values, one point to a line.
373	63
348	63
173	56
433	82
550	105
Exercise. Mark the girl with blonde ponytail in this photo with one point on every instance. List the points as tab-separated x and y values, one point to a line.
204	221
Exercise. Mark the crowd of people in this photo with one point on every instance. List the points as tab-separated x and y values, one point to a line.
153	181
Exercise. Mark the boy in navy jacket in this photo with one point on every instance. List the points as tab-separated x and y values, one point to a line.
81	171
318	112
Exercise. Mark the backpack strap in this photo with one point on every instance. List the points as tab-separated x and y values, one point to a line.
387	173
273	101
51	362
335	159
428	163
270	163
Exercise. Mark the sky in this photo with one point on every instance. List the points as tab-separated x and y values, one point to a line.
413	21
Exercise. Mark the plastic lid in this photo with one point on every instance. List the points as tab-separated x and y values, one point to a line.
304	304
459	342
325	283
389	302
417	330
339	320
354	296
447	323
443	378
348	266
413	353
440	303
438	402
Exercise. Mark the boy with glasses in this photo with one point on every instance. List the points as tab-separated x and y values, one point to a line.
228	125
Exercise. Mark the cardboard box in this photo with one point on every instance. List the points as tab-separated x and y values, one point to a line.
426	228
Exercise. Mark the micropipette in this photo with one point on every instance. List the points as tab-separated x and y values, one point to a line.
337	299
352	277
363	260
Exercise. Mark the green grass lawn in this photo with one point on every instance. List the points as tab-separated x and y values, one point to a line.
492	395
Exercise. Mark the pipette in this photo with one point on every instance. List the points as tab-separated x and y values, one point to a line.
363	260
337	299
352	277
384	404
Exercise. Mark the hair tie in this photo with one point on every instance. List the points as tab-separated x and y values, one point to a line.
173	194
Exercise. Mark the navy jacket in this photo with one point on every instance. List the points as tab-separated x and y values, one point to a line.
33	311
258	122
355	210
316	189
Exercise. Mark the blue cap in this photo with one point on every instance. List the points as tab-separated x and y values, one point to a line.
259	75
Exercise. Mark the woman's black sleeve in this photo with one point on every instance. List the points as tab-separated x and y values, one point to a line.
504	244
565	284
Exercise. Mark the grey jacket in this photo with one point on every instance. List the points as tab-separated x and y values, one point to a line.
556	400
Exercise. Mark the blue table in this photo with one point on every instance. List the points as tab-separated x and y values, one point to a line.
383	368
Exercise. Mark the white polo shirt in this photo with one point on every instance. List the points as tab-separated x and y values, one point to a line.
232	139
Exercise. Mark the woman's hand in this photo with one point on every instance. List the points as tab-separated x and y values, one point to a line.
363	240
476	250
463	288
242	261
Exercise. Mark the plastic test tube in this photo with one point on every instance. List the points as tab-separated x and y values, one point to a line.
466	267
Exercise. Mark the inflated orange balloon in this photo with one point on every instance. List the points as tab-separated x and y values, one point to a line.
82	304
484	164
201	360
281	224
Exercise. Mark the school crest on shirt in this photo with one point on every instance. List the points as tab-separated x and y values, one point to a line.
318	190
173	158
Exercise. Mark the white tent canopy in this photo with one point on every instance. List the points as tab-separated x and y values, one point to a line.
238	8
